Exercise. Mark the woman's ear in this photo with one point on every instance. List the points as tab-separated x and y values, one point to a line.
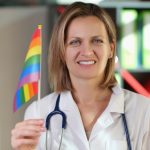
112	49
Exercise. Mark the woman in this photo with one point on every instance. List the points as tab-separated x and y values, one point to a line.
81	68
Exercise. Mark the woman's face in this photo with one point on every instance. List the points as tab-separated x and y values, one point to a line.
87	48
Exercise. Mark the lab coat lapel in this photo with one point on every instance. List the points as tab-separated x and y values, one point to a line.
116	105
74	121
104	121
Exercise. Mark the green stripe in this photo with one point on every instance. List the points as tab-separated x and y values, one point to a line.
22	95
32	60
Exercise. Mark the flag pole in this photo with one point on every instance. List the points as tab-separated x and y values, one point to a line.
39	81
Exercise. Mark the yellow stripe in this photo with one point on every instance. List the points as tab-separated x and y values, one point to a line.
34	51
39	26
26	92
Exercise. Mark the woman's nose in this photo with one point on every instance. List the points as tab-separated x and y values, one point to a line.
87	49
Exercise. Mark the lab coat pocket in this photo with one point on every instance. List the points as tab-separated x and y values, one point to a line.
116	145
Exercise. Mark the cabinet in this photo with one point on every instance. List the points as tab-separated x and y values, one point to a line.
134	52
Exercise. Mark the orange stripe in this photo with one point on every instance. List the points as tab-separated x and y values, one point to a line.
31	89
35	42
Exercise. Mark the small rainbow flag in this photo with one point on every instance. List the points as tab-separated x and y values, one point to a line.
28	81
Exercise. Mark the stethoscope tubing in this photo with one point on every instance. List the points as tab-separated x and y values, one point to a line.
57	111
126	131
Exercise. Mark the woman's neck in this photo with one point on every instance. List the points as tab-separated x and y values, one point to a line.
88	91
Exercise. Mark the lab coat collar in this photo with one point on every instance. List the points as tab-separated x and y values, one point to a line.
116	103
67	104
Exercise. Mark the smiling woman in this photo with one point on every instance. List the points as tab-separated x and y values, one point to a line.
106	34
96	113
87	49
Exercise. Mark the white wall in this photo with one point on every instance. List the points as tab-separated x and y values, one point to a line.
16	28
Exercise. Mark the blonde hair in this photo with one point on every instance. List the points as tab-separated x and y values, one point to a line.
58	73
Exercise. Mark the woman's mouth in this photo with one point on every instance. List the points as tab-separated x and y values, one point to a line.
86	62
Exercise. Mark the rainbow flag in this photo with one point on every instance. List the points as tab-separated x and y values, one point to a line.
28	81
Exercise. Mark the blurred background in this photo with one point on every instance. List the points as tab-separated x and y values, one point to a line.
18	20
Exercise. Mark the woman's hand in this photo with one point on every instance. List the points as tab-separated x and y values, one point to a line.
25	135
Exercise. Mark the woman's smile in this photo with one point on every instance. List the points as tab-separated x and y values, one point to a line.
86	62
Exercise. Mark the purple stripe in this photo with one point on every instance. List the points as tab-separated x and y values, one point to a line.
29	78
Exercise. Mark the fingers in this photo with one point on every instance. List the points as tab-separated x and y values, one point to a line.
31	122
27	133
24	143
28	128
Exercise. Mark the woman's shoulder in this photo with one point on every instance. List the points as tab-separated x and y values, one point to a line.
130	97
137	107
134	103
137	99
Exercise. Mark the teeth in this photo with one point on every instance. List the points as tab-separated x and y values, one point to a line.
86	62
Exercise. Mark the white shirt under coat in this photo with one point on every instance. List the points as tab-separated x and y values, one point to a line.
108	132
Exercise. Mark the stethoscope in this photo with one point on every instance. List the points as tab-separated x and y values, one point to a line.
57	111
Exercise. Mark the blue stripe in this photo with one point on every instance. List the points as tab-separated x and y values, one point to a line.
29	70
18	99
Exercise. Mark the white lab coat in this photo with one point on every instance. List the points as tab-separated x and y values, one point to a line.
108	132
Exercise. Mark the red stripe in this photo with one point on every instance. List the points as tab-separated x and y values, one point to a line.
36	34
35	87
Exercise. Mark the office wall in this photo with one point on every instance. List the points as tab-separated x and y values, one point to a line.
16	27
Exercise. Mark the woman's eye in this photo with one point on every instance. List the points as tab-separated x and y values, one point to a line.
97	41
74	43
